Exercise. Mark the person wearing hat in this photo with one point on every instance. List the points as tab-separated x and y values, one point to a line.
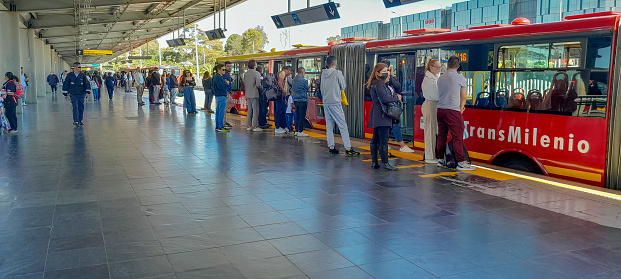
77	87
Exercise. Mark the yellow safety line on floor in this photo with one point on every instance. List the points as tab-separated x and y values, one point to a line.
493	174
561	185
314	135
369	160
439	174
410	166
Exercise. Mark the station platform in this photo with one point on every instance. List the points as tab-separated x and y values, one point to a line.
150	192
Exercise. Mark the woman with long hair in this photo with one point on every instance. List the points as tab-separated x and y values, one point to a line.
10	101
189	100
207	86
380	123
430	108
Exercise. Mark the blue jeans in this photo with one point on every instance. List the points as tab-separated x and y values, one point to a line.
396	131
280	109
96	94
290	119
220	110
189	100
77	101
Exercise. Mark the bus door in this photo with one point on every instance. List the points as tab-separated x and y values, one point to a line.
404	66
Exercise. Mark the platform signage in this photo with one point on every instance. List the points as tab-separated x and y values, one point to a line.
215	34
93	52
395	3
313	14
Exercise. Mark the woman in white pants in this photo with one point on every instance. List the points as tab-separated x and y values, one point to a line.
430	108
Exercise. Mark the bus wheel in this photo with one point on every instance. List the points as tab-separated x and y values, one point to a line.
517	161
233	111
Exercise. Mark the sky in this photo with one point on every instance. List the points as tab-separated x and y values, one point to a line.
258	12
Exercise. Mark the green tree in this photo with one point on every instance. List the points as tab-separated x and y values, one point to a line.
252	41
234	45
336	38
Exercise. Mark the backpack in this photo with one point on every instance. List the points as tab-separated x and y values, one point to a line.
19	90
449	158
270	85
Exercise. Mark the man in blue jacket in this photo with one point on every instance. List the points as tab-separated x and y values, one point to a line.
77	87
220	91
52	80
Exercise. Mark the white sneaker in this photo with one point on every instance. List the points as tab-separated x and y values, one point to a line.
249	128
257	130
465	166
432	161
279	131
441	163
302	134
406	149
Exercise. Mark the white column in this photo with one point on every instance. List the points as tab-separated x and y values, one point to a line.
38	78
10	49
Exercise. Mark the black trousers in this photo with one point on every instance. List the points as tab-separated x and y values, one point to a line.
53	88
379	143
300	113
11	115
264	104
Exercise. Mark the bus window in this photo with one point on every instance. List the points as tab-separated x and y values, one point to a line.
476	65
313	68
540	56
235	76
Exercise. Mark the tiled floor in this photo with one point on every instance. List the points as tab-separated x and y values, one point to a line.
148	192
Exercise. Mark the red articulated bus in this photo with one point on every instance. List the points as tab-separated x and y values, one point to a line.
541	97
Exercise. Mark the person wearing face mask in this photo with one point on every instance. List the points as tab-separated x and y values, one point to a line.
430	108
380	123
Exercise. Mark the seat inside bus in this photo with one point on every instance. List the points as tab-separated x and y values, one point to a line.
482	100
517	99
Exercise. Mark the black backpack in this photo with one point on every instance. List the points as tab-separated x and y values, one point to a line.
270	86
449	157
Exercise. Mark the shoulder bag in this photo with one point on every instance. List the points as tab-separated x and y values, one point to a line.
390	109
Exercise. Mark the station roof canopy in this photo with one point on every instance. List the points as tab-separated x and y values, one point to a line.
117	25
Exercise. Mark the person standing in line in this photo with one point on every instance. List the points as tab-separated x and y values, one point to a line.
189	100
395	87
263	103
252	84
156	81
10	101
453	91
229	83
63	76
77	87
24	80
99	83
300	90
165	87
430	108
290	114
280	104
130	81
219	86
139	83
110	81
53	80
381	124
174	87
332	82
208	87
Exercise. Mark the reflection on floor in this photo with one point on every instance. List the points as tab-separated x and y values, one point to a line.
149	192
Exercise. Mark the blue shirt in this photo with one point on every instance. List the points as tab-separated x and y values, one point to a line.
227	76
219	86
300	88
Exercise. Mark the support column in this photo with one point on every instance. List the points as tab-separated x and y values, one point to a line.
9	56
47	53
39	69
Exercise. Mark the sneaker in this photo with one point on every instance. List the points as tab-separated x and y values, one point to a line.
432	161
441	163
14	131
222	130
279	131
406	149
465	166
302	134
257	130
227	124
76	123
334	151
266	126
24	104
80	123
351	152
249	129
388	167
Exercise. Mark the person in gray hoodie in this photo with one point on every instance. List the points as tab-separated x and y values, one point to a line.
332	82
252	83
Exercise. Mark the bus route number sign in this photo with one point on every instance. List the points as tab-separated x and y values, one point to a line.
462	55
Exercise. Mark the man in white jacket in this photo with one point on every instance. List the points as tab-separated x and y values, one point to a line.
332	82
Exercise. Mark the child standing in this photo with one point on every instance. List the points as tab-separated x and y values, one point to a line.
290	114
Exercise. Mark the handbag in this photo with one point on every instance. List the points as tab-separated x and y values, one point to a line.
391	109
344	98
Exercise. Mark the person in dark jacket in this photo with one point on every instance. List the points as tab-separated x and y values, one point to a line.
10	101
52	80
110	82
263	103
157	83
189	99
77	87
208	87
220	91
174	87
380	123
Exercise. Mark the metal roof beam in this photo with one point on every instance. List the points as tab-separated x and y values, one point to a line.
47	5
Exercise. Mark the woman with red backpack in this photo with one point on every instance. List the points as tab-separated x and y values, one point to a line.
10	101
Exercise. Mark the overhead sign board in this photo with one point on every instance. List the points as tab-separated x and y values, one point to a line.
93	52
215	34
176	42
395	3
144	57
313	14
